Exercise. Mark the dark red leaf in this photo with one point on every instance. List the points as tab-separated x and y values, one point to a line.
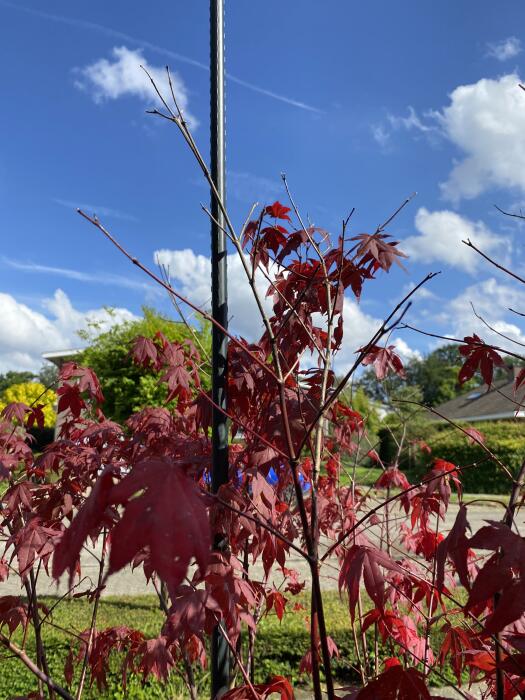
365	561
278	684
455	546
164	512
144	352
384	361
478	356
155	659
375	251
87	520
396	683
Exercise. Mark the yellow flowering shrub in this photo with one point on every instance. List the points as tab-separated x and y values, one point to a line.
29	392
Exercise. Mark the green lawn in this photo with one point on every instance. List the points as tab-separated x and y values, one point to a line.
280	646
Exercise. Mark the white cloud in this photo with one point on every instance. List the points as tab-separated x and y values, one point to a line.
359	328
123	76
405	351
27	333
486	121
382	132
440	236
410	122
491	301
155	48
504	49
191	275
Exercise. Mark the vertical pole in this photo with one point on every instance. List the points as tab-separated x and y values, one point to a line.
220	660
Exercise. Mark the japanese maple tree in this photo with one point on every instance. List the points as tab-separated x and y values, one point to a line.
142	491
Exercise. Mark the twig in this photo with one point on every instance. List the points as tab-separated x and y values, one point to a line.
24	658
469	244
94	613
169	288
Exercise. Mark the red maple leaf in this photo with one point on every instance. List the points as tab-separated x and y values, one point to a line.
144	352
104	643
375	251
520	378
13	612
31	542
496	575
365	561
455	641
70	398
423	446
393	477
15	411
178	381
474	436
88	520
194	611
87	380
384	360
478	356
168	516
278	211
155	659
277	601
278	684
455	546
36	415
396	683
4	570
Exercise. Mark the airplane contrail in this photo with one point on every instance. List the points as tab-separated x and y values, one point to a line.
115	34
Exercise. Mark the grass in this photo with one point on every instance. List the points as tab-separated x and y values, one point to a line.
364	476
280	646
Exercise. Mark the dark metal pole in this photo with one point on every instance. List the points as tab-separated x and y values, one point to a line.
220	657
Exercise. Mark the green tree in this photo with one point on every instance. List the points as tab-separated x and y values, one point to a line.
11	377
48	374
128	388
436	376
358	400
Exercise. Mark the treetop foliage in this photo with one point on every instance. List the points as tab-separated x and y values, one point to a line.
436	376
128	387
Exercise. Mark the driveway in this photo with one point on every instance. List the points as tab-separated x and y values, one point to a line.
128	582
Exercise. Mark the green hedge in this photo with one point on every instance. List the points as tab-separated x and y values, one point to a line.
279	647
506	439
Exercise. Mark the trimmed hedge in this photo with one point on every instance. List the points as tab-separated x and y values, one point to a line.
506	439
279	647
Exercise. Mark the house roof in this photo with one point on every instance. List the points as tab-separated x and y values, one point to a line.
486	403
58	357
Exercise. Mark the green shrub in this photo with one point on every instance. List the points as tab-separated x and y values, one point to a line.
506	439
128	388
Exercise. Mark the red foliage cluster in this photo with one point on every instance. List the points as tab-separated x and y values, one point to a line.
143	490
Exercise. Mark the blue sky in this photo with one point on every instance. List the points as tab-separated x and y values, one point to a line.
360	104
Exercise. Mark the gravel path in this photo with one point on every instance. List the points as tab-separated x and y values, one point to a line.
127	582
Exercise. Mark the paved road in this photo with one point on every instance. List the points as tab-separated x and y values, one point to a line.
133	583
